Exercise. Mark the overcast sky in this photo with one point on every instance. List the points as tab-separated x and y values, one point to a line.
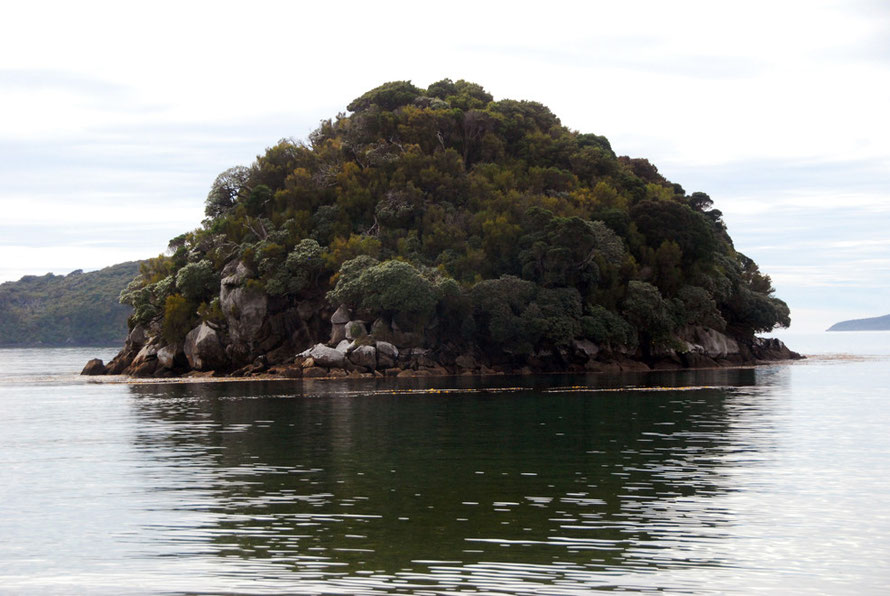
116	117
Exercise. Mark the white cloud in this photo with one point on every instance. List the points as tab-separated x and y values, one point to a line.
117	116
52	260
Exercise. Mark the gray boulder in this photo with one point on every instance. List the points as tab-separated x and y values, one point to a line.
235	273
585	348
148	352
384	348
771	348
365	356
203	349
322	355
137	336
711	342
245	311
355	329
465	362
94	367
167	356
341	316
338	324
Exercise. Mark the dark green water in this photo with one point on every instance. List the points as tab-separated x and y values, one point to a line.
771	479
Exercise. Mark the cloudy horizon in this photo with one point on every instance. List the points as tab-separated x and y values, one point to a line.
118	118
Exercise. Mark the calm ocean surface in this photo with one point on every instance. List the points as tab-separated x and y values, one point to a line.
766	480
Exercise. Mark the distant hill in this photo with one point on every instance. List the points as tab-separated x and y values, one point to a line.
75	309
872	324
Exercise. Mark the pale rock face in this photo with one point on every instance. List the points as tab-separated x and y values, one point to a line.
245	309
387	349
341	316
203	348
137	336
338	333
585	347
322	355
365	356
344	346
166	355
235	273
338	325
711	342
245	312
147	352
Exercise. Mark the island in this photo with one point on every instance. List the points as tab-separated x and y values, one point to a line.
440	231
870	324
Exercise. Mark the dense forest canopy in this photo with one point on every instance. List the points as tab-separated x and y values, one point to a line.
467	219
75	309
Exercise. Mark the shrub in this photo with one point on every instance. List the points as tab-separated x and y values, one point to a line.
178	313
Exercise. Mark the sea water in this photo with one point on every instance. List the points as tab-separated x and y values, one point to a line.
770	479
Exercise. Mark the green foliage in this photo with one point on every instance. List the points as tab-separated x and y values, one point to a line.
197	281
498	309
388	96
178	316
75	309
344	249
385	288
226	190
566	251
665	220
462	94
147	299
607	328
695	306
560	316
211	312
300	271
488	218
646	310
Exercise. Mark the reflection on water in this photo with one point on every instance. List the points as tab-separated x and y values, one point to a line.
553	481
772	479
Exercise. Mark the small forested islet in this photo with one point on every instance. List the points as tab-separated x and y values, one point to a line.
439	231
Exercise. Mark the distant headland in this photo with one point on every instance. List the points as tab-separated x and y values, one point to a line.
871	324
78	309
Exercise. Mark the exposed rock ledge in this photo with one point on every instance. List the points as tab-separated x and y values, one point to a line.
267	346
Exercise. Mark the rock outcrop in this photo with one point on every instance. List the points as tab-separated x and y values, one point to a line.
204	350
262	336
94	367
771	348
710	342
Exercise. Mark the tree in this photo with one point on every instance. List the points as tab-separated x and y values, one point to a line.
607	329
179	313
533	219
197	281
300	270
697	307
225	191
387	96
647	311
385	288
498	308
668	220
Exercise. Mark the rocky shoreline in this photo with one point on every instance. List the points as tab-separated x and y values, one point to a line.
352	351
